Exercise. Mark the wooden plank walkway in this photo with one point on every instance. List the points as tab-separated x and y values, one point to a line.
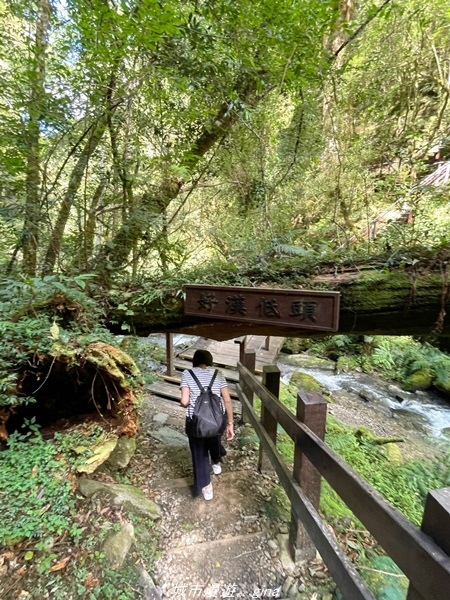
225	356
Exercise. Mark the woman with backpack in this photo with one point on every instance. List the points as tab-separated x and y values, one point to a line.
193	382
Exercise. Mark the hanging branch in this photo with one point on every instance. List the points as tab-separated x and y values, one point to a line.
361	28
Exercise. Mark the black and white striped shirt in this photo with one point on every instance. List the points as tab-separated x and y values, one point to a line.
204	376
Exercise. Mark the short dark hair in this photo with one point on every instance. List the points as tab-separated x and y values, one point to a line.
202	357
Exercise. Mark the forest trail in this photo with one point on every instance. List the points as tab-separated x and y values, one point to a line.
234	546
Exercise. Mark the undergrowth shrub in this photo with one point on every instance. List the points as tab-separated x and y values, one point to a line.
36	479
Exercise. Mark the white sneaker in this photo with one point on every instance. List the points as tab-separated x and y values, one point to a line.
217	469
208	492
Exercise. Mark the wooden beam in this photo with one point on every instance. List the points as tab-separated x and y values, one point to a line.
169	354
384	301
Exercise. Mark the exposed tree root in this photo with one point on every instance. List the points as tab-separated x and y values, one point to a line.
98	382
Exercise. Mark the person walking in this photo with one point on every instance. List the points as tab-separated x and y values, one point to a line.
205	449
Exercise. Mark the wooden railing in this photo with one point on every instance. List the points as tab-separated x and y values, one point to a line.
422	554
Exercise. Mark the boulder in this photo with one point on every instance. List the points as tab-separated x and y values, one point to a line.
122	453
117	546
101	452
130	497
443	385
170	437
420	380
305	382
309	362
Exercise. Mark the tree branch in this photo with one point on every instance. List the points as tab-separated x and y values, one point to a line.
361	28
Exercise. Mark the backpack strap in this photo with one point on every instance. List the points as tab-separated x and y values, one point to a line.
195	378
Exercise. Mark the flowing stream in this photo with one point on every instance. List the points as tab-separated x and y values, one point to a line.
424	411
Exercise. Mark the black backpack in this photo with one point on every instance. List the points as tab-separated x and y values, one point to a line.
208	419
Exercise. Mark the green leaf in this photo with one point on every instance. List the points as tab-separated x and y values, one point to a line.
54	330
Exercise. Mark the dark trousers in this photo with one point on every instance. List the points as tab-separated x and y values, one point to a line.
201	450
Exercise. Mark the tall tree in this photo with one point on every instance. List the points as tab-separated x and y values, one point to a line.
36	107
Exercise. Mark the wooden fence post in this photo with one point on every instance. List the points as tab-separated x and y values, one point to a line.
271	380
249	361
242	341
169	354
436	524
312	411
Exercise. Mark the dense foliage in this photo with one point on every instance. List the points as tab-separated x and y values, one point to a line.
139	138
38	475
51	539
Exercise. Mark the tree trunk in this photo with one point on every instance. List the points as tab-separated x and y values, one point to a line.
75	180
86	247
115	253
30	234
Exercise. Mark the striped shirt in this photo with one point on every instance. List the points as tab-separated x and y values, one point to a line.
204	376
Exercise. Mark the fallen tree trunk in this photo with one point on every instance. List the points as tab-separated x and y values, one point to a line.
373	302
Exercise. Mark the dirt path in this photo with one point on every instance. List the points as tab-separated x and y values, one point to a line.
234	546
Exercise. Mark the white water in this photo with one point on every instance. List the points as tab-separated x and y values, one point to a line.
426	411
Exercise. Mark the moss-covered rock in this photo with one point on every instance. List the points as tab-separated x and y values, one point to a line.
100	454
309	362
130	497
117	545
122	453
443	385
346	364
393	453
305	382
420	380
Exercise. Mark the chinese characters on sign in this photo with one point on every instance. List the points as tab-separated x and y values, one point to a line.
305	309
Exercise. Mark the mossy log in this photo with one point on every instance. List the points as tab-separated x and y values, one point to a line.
373	302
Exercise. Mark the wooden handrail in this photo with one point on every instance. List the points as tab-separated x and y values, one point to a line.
342	571
423	561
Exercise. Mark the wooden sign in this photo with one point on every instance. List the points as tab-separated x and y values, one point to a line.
305	309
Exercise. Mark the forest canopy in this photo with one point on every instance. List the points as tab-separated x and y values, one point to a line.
140	138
